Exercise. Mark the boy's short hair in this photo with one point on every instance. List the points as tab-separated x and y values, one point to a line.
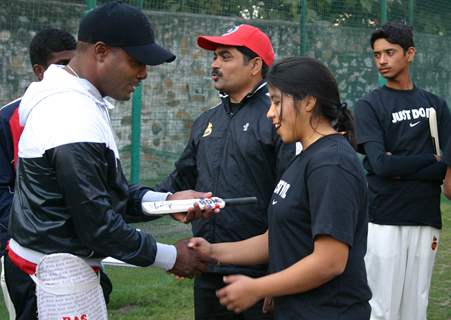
395	33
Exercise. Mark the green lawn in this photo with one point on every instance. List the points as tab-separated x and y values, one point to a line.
146	293
440	294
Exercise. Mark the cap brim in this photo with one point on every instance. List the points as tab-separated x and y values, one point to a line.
150	54
212	42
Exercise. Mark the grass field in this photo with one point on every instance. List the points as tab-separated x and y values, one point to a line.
146	293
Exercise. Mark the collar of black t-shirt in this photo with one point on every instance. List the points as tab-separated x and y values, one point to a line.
408	91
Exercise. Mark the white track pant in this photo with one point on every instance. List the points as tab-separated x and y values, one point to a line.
399	263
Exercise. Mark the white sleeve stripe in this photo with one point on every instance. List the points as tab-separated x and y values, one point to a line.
152	196
166	256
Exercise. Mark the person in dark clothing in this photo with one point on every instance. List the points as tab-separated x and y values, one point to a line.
447	160
316	241
71	194
404	176
48	46
233	151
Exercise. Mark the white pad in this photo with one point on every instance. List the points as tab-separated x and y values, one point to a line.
67	288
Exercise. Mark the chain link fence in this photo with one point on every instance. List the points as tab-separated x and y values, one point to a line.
336	32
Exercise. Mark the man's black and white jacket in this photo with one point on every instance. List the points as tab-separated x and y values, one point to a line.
71	193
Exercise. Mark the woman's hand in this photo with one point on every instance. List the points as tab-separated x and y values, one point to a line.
268	305
240	293
202	247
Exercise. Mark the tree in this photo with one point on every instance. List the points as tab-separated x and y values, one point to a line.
428	16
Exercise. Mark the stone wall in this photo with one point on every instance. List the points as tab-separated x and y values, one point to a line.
175	94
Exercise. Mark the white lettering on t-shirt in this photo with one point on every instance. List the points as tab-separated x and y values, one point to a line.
413	114
282	188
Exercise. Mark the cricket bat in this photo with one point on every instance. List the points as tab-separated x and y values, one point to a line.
174	206
434	131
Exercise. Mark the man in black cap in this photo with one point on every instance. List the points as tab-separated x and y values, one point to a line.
72	196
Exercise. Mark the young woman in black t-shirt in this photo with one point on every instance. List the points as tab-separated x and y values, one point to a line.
317	215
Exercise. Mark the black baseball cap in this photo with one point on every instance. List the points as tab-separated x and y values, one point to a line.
126	27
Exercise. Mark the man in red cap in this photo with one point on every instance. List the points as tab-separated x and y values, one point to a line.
233	151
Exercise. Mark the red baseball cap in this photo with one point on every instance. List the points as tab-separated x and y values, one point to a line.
242	36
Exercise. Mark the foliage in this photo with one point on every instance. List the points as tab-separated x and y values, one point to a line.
432	17
429	17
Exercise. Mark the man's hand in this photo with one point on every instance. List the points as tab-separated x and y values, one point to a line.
189	262
193	213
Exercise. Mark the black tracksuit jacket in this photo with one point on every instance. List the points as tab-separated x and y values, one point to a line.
233	154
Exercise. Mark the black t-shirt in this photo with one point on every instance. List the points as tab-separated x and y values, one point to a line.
323	192
398	119
446	157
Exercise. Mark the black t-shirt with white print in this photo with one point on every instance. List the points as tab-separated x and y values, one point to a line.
398	119
323	192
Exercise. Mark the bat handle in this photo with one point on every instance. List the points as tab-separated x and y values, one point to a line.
240	201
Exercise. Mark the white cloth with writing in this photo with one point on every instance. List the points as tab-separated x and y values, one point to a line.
67	288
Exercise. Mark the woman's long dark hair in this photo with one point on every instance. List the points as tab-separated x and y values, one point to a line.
305	76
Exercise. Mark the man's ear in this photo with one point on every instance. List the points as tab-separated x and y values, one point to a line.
257	65
410	54
38	71
101	51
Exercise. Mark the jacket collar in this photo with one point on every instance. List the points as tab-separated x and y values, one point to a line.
226	100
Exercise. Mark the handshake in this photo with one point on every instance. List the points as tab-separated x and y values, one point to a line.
240	292
191	261
193	255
